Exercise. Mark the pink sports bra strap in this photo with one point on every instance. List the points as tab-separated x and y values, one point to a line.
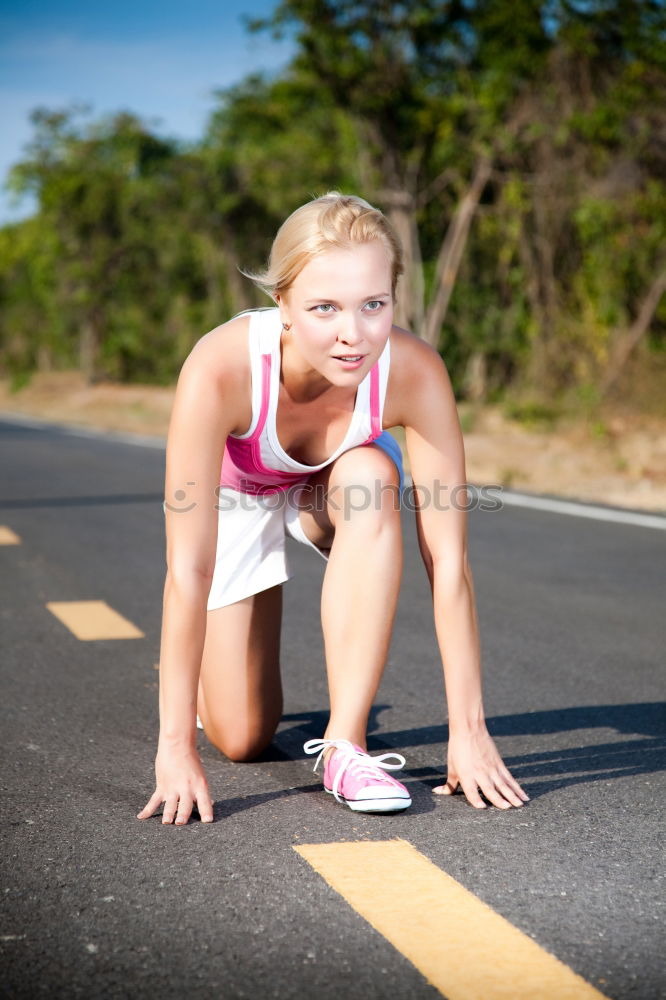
375	422
243	466
265	397
374	401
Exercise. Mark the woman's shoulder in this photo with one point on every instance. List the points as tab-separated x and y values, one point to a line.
411	355
227	346
223	338
224	351
417	374
219	367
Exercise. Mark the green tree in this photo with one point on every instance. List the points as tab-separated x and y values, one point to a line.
511	110
515	145
86	184
427	86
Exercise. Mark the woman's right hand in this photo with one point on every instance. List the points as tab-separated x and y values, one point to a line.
180	784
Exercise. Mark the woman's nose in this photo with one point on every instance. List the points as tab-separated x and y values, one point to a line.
350	334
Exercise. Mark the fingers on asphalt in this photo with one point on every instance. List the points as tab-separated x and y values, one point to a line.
205	807
502	791
511	781
499	793
170	809
447	789
184	812
507	791
148	810
471	790
179	810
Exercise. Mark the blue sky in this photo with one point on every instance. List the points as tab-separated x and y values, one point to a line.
158	58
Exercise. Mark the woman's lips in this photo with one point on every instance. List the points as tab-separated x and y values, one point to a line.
350	361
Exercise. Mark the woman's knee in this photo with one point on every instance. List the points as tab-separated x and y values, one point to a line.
241	744
240	688
365	479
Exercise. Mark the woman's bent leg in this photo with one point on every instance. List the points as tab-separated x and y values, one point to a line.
361	525
240	689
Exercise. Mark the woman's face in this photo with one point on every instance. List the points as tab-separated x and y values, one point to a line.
340	308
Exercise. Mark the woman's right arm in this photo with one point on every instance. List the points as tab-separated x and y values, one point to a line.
205	411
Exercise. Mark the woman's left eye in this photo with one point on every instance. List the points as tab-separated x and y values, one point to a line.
374	305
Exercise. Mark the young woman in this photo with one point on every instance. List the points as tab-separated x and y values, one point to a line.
290	403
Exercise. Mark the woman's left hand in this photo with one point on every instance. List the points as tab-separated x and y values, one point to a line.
475	765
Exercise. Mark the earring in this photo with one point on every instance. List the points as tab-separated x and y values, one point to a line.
286	326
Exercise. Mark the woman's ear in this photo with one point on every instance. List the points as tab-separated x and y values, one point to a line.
284	311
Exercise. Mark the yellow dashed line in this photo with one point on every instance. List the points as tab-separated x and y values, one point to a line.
461	946
93	620
8	537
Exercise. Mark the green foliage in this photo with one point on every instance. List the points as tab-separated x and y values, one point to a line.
532	414
137	243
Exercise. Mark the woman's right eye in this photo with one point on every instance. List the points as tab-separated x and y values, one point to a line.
324	308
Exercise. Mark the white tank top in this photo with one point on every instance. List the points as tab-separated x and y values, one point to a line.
255	462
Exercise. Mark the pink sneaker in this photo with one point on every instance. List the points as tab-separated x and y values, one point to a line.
359	780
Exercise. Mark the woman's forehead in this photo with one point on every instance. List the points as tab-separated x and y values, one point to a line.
353	268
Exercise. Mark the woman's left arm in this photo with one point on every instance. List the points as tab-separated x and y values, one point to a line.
421	396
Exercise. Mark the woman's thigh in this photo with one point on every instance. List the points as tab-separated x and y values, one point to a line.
364	480
240	689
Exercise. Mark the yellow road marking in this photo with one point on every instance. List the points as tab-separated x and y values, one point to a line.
93	620
461	946
8	537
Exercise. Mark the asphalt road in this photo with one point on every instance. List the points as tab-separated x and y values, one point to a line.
98	904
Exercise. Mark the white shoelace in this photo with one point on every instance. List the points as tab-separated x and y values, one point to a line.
360	764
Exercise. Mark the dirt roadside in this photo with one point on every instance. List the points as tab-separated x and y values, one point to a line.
617	459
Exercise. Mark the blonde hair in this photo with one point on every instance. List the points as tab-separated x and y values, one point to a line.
333	220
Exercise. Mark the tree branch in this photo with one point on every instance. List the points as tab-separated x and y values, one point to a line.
451	252
636	331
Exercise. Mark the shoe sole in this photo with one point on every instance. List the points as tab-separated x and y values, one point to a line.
374	805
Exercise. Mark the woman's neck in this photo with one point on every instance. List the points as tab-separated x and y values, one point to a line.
301	382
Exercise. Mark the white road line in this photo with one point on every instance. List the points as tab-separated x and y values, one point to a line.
575	509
